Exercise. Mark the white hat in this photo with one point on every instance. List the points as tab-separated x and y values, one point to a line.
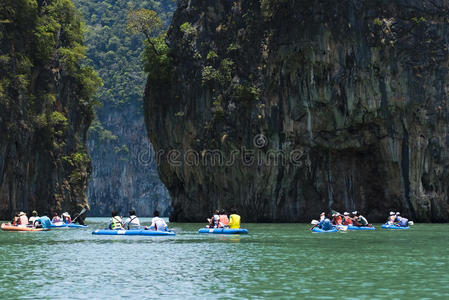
66	214
392	213
337	214
322	214
397	214
333	215
22	214
346	213
354	212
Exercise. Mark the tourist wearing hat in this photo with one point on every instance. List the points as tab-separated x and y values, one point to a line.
337	219
33	218
346	219
66	218
392	218
324	224
361	220
23	219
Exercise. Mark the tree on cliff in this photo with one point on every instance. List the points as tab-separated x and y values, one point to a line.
145	21
156	58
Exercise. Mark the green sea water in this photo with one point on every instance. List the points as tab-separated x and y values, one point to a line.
274	261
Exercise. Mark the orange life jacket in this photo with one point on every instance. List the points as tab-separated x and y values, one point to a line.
224	220
348	220
338	220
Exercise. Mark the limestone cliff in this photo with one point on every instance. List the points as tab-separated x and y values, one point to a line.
45	108
353	93
124	174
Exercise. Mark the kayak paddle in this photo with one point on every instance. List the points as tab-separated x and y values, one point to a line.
82	212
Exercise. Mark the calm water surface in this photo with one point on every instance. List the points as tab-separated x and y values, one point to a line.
273	261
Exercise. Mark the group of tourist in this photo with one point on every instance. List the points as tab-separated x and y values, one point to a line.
220	219
347	219
21	219
355	219
133	222
66	219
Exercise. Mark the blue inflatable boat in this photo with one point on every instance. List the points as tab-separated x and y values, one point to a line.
385	226
132	232
319	230
223	231
64	225
350	227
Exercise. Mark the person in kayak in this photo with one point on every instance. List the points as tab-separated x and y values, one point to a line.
213	222
56	218
324	224
158	223
337	219
66	218
23	219
391	219
132	222
33	218
359	219
234	219
322	216
223	219
346	219
15	220
115	222
401	221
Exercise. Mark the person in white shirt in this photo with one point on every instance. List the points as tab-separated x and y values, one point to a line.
23	219
158	223
132	222
33	218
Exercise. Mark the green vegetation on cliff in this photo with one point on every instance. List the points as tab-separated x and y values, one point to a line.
351	94
46	106
113	50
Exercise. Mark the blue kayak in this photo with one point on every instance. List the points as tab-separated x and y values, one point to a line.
223	231
385	226
63	225
132	232
350	227
319	230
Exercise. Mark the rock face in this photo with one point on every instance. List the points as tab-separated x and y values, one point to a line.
124	174
352	93
124	177
45	108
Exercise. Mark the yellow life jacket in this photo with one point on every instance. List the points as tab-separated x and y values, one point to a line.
234	221
116	223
